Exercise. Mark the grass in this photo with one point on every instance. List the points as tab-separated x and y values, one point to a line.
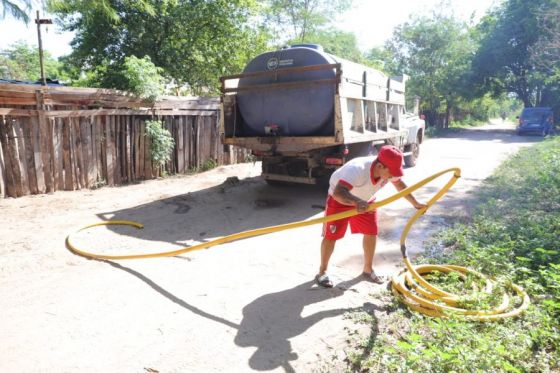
513	236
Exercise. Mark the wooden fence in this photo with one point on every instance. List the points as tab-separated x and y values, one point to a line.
62	138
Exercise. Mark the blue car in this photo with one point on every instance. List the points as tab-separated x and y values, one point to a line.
539	120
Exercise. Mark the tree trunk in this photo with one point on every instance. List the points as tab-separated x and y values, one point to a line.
447	117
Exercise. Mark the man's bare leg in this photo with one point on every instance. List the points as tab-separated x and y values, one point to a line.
327	248
369	243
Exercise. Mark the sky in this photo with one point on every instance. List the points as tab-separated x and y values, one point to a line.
372	21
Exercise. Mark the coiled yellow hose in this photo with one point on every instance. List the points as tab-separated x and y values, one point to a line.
408	285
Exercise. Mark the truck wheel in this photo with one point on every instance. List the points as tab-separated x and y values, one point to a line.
410	160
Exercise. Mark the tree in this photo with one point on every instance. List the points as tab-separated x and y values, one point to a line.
504	62
339	43
17	9
545	54
21	62
436	52
302	17
194	42
383	59
143	77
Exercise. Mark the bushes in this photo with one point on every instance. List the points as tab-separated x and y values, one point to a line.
513	237
161	142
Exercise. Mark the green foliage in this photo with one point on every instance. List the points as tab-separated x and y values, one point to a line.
382	59
193	42
340	43
436	52
208	165
504	61
161	142
301	19
20	61
143	77
513	237
17	9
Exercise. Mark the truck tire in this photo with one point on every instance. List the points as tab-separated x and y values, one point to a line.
410	160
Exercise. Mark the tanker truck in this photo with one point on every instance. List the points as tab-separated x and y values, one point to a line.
304	113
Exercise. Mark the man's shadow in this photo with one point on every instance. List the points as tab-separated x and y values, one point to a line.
271	320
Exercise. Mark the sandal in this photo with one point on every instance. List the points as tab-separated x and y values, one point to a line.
323	280
372	277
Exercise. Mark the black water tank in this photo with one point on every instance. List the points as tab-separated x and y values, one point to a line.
302	111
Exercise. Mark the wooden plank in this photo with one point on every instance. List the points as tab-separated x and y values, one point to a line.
18	112
59	155
147	157
76	126
171	166
14	186
198	153
95	112
74	155
16	93
66	157
30	155
51	150
97	140
117	154
216	148
192	142
85	147
128	144
3	181
188	105
109	150
37	155
141	149
103	148
20	150
180	144
17	101
133	148
10	189
45	147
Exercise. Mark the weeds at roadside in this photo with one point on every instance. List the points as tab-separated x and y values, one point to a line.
513	237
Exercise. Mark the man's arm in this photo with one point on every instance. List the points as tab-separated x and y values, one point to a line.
400	185
342	194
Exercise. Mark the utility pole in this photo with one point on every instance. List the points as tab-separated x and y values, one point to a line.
40	22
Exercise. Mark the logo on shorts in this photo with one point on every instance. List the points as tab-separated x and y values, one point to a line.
332	228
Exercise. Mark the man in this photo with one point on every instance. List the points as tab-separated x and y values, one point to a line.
354	186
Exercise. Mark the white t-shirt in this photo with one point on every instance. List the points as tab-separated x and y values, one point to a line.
357	174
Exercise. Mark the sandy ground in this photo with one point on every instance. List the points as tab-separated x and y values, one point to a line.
241	306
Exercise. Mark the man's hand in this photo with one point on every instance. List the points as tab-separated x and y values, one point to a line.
417	205
361	205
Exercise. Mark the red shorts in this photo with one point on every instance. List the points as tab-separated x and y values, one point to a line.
365	223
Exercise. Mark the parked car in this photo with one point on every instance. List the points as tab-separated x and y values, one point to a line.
539	120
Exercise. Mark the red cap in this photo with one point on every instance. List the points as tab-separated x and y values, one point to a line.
392	158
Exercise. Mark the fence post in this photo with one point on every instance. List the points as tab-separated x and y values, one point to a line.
45	144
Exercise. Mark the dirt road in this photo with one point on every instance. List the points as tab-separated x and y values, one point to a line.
246	305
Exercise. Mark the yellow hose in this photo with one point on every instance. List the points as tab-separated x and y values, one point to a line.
409	285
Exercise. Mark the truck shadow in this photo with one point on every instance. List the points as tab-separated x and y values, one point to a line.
231	207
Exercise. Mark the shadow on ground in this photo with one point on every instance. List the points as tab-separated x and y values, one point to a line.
270	321
232	207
